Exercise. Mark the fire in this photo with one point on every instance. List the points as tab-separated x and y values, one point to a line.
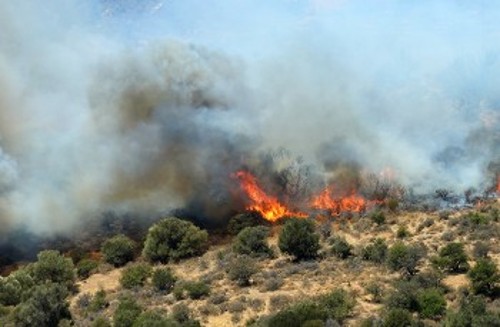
498	184
326	201
268	206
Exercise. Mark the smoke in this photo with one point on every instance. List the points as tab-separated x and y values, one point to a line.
149	106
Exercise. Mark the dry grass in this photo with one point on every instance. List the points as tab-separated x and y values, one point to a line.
230	305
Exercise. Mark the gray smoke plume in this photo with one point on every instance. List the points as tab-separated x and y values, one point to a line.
149	106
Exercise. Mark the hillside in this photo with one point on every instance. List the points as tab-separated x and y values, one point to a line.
281	281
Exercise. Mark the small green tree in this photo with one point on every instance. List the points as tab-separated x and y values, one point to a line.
247	219
174	239
484	277
45	307
376	251
472	312
163	279
398	318
85	267
252	241
299	239
431	303
241	269
98	301
197	290
16	286
135	275
118	250
101	322
404	258
127	312
154	318
451	258
53	267
341	248
378	217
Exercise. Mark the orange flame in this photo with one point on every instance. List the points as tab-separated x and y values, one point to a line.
269	207
498	185
326	201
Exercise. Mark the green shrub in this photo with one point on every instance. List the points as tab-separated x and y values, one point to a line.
163	279
252	241
154	319
341	248
401	257
247	219
101	322
14	287
335	306
452	258
118	250
481	250
484	277
472	312
85	267
298	314
398	318
98	301
404	296
135	275
182	314
402	232
392	204
197	290
241	269
174	239
45	307
338	304
431	303
378	217
376	251
477	218
53	267
127	312
299	239
376	291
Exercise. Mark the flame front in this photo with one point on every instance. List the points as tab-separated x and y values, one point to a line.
268	206
326	201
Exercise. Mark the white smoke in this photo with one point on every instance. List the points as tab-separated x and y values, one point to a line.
149	105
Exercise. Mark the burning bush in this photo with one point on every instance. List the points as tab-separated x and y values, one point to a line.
118	250
174	239
299	239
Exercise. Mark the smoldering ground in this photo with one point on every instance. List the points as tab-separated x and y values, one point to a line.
149	106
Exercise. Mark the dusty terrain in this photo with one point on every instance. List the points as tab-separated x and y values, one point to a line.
303	279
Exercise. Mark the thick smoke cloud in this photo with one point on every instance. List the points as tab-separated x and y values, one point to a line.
148	106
